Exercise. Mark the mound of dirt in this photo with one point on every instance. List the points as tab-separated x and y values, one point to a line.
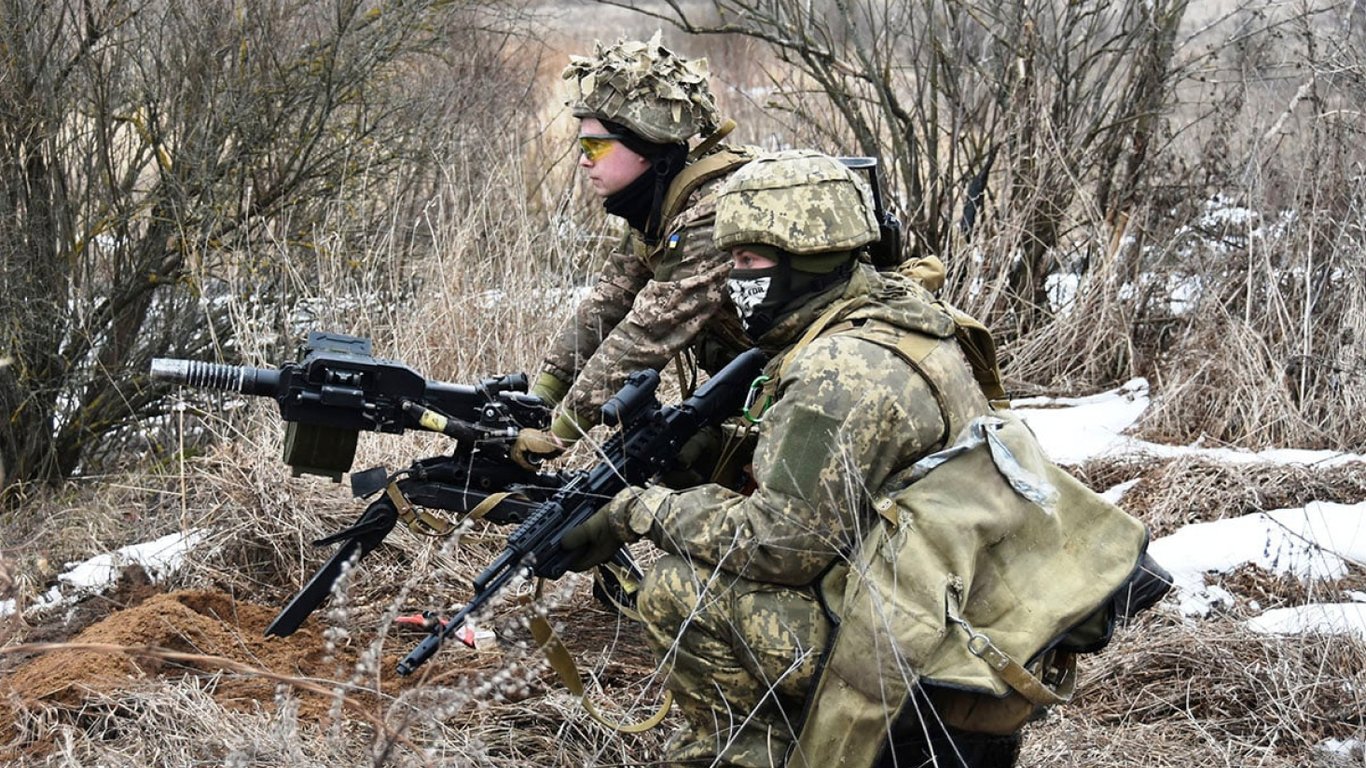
192	632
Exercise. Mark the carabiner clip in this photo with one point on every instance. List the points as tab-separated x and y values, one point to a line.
754	389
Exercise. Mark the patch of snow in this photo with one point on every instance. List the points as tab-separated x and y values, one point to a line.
1075	429
159	558
1114	494
1315	542
1061	288
1323	618
1349	748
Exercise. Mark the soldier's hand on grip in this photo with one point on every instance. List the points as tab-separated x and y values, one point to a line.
534	446
597	539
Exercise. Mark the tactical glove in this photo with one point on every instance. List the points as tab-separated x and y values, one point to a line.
534	446
599	537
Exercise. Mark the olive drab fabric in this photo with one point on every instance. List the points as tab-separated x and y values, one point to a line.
644	86
650	304
734	614
800	201
985	553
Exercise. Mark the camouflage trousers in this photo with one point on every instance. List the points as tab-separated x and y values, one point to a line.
740	656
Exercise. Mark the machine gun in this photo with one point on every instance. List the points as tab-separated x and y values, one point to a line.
647	443
336	390
886	252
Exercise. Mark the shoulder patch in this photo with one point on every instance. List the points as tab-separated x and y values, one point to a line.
804	446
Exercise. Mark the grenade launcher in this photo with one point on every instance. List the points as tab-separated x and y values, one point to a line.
336	390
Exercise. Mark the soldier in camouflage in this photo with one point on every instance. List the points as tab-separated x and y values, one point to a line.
736	610
664	289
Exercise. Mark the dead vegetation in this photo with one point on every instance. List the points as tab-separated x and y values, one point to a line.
153	677
473	277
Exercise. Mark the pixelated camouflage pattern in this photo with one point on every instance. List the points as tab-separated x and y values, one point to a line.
801	201
646	307
646	87
849	415
784	631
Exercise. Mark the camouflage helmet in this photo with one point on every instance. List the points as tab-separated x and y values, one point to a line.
800	201
644	86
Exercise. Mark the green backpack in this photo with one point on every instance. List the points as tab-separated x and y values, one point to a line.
982	576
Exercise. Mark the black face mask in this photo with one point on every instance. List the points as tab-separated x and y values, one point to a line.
755	295
640	202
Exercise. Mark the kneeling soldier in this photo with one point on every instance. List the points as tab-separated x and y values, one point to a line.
866	379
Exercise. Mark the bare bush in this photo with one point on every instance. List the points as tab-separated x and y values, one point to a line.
992	118
1267	348
161	159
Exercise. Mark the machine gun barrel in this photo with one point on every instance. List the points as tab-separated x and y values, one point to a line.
337	389
260	382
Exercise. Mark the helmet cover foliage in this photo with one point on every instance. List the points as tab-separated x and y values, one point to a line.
658	95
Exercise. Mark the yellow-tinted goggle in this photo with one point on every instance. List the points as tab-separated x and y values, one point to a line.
595	146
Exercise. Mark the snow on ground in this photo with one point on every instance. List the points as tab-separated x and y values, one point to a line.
1076	429
1316	541
159	558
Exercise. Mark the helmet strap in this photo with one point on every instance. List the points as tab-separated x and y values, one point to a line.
641	200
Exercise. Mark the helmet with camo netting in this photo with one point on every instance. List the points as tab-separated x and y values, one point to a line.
800	201
657	95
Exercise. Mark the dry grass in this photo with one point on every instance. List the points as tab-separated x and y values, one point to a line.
1211	692
1177	691
476	288
1170	494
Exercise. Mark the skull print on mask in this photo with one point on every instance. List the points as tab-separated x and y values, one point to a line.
749	288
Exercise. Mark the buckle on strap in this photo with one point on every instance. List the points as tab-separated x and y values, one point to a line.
1011	671
980	645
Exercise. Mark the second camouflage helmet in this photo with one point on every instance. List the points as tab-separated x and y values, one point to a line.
801	201
657	95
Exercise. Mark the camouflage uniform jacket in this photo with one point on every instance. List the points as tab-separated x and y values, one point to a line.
848	415
646	307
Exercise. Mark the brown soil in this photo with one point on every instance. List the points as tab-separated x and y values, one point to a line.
187	632
138	635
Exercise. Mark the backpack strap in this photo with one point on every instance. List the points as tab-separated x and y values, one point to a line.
979	348
699	172
913	349
766	386
1013	672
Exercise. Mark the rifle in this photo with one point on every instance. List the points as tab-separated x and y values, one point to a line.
646	444
335	390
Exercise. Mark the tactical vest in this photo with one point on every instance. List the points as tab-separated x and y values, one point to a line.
713	165
983	558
